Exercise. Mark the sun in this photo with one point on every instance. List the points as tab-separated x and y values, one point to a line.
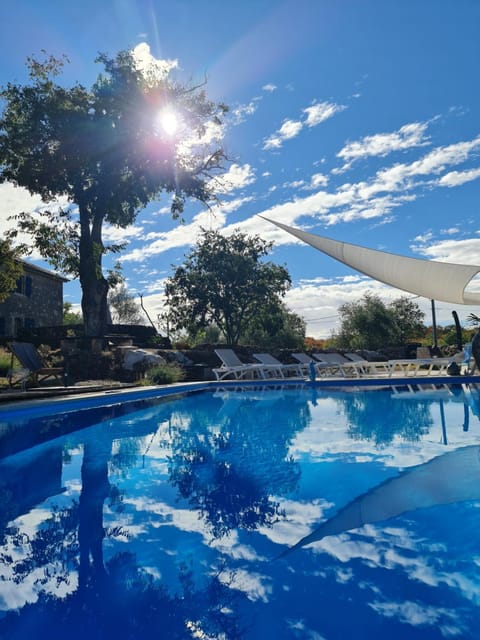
168	121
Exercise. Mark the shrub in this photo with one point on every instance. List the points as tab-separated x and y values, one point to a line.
5	362
165	374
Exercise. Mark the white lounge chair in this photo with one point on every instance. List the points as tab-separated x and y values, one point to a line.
233	367
322	369
419	366
369	368
284	370
339	364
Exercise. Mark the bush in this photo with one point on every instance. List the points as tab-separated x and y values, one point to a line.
5	362
165	374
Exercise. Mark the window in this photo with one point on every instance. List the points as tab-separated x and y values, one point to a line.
29	323
17	326
2	326
24	286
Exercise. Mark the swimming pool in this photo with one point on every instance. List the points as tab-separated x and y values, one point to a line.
176	518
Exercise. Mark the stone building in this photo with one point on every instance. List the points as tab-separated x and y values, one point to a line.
36	302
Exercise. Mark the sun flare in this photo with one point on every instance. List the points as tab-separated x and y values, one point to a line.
168	122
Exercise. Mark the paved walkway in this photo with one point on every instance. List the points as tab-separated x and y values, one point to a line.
46	391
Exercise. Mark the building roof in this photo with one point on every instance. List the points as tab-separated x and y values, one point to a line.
28	266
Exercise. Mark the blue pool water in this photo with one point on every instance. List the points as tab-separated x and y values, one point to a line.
175	518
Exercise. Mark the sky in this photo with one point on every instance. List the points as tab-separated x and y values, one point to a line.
358	121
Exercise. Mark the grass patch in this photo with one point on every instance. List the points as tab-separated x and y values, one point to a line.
167	373
6	362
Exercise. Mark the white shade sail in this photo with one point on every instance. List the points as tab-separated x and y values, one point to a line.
442	281
452	477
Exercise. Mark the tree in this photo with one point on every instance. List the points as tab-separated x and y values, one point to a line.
123	306
10	269
70	316
103	152
224	282
408	319
276	327
365	324
371	324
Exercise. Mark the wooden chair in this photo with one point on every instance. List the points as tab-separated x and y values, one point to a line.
33	366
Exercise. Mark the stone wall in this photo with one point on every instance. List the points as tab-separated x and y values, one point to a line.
37	302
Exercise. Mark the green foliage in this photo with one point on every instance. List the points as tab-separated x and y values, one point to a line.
275	327
167	373
10	268
408	319
224	282
206	335
123	306
70	316
5	362
102	150
370	324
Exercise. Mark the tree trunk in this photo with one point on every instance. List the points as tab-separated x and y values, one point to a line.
94	285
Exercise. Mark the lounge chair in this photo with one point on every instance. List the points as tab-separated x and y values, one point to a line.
284	370
321	368
420	366
406	367
339	365
369	367
233	367
33	366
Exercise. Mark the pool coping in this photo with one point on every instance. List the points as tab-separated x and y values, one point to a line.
68	401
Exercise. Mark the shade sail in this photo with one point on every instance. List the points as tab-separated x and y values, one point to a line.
452	477
442	281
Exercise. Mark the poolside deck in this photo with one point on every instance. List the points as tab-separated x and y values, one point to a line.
49	391
9	397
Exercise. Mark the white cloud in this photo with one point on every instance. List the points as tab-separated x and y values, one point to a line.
316	114
402	176
118	234
237	177
465	251
183	235
318	180
425	237
254	585
412	613
269	87
241	112
212	133
147	62
321	111
295	184
233	205
381	144
457	178
450	231
289	129
373	199
15	200
273	142
438	159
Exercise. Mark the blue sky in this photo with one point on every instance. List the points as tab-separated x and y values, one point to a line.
354	120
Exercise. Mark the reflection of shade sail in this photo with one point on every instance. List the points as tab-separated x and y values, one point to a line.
435	280
452	477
